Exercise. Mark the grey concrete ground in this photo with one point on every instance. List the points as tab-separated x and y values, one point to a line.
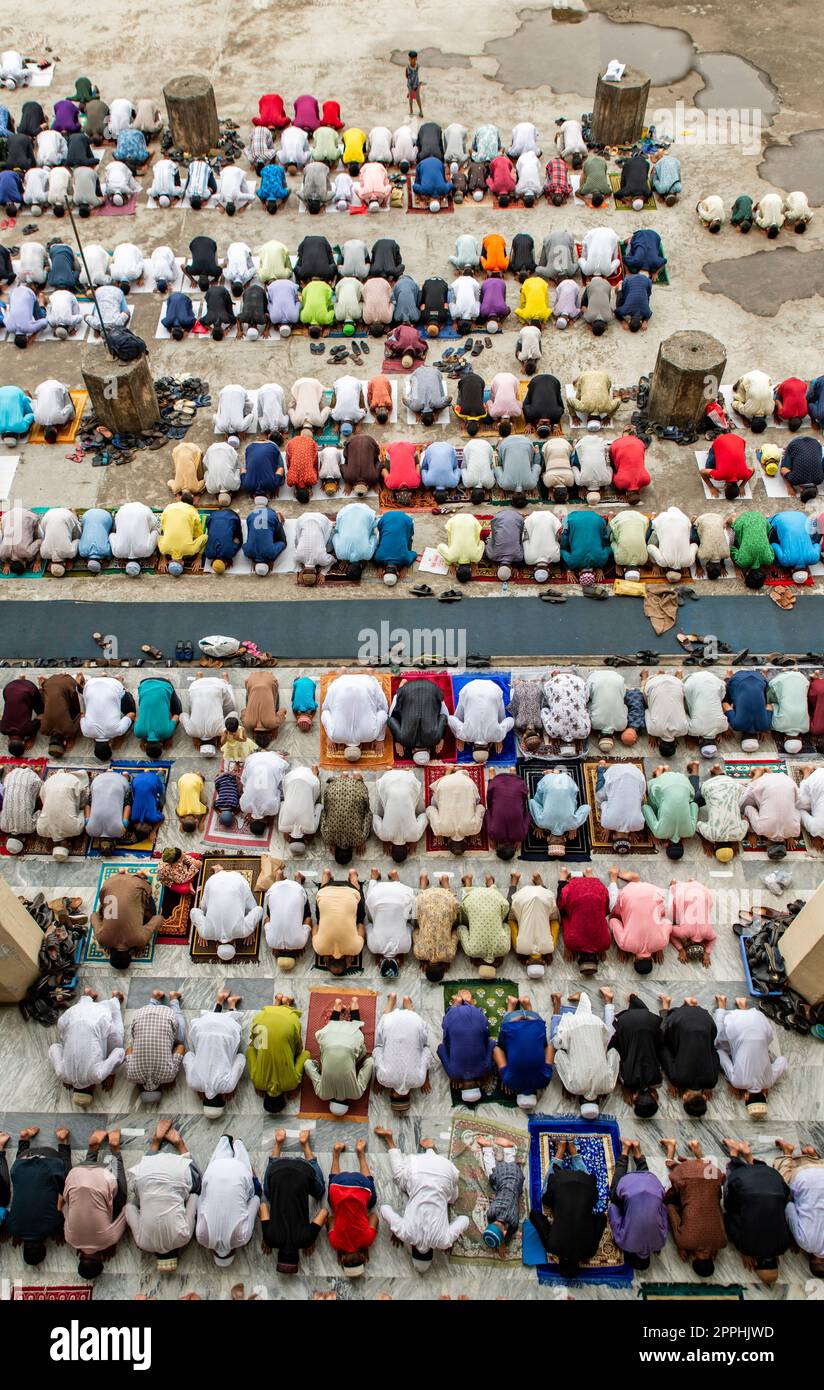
248	49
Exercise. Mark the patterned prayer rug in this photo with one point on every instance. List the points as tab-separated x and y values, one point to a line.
52	1293
94	953
131	845
598	1143
615	182
373	756
491	996
614	280
475	1194
504	680
742	769
432	773
641	841
321	1000
486	571
536	845
660	277
175	909
247	947
238	835
415	203
39	766
443	681
662	1293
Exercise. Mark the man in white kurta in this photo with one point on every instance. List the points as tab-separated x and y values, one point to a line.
300	808
210	700
102	719
228	1205
354	711
216	1060
600	253
811	801
312	532
262	781
747	1049
390	908
53	405
235	411
271	412
286	915
221	468
135	532
162	1207
671	547
534	909
227	912
430	1182
620	797
396	819
401	1053
480	717
584	1066
90	1043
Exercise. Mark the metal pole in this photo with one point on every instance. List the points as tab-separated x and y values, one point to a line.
88	277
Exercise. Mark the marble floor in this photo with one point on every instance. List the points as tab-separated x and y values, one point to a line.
29	1092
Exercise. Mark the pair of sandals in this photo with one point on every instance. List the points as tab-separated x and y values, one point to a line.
448	595
184	651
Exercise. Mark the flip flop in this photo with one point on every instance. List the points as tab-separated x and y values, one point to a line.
421	591
151	651
450	596
552	596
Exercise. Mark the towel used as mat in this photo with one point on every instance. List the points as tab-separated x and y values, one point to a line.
67	433
598	1143
432	773
321	1001
442	680
374	755
490	996
536	844
661	607
504	680
108	209
475	1193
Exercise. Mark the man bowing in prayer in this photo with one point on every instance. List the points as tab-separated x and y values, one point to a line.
431	1184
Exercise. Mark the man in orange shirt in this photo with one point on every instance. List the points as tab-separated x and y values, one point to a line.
493	254
302	465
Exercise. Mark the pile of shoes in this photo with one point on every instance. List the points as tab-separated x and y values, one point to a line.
64	927
762	937
179	399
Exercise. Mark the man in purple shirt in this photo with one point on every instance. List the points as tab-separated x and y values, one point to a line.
507	813
466	1050
24	316
637	1213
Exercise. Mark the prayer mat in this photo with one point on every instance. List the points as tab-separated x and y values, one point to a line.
641	841
53	1293
432	773
503	679
337	573
393	366
107	209
536	845
175	909
415	203
548	748
598	1143
374	756
322	963
78	846
614	280
93	953
321	1000
486	571
130	844
419	499
490	996
475	1193
238	834
67	433
623	204
743	769
39	766
659	278
444	683
247	947
662	1293
775	575
36	570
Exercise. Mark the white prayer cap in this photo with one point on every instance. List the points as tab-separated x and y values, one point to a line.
57	569
471	1095
338	1107
117	199
214	1112
223	1261
164	200
233	440
673	575
14	846
61	332
175	568
261	500
567	750
352	752
800	576
708	750
93	566
252	333
434	206
541	575
286	963
421	756
593	495
390	578
478	195
589	1110
606	744
341	205
82	1098
638	204
207	750
536	971
504	573
224	498
792	745
60	852
453	168
352	1271
749	745
593	424
226	951
492	325
133	569
285	330
297	848
528	1102
374	206
561	322
632	574
480	755
487	972
150	1097
261	569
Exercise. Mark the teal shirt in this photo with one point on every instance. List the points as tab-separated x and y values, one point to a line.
304	700
154	720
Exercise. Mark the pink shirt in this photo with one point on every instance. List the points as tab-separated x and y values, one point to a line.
87	1209
639	920
692	912
373	182
503	396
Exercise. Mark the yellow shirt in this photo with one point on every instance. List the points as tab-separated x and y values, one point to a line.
354	146
464	545
236	749
190	795
534	303
180	525
274	261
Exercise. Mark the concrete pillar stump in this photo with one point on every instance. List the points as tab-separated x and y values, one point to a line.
192	111
122	393
687	376
620	108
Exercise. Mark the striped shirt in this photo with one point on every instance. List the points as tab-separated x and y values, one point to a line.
227	792
200	180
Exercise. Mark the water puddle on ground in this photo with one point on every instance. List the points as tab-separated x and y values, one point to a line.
763	282
800	164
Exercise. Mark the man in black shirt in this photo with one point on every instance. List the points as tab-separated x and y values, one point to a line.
284	1211
19	152
802	467
543	403
31	1194
430	141
755	1217
386	259
688	1052
418	720
434	304
315	261
254	310
574	1231
637	1040
522	256
203	264
218	312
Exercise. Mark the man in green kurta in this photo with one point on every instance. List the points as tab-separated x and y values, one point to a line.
158	712
751	549
343	1070
670	810
276	1055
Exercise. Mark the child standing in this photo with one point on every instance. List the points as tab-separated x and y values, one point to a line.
413	81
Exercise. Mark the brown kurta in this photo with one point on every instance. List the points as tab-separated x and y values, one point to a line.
122	921
61	706
361	464
694	1206
262	697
